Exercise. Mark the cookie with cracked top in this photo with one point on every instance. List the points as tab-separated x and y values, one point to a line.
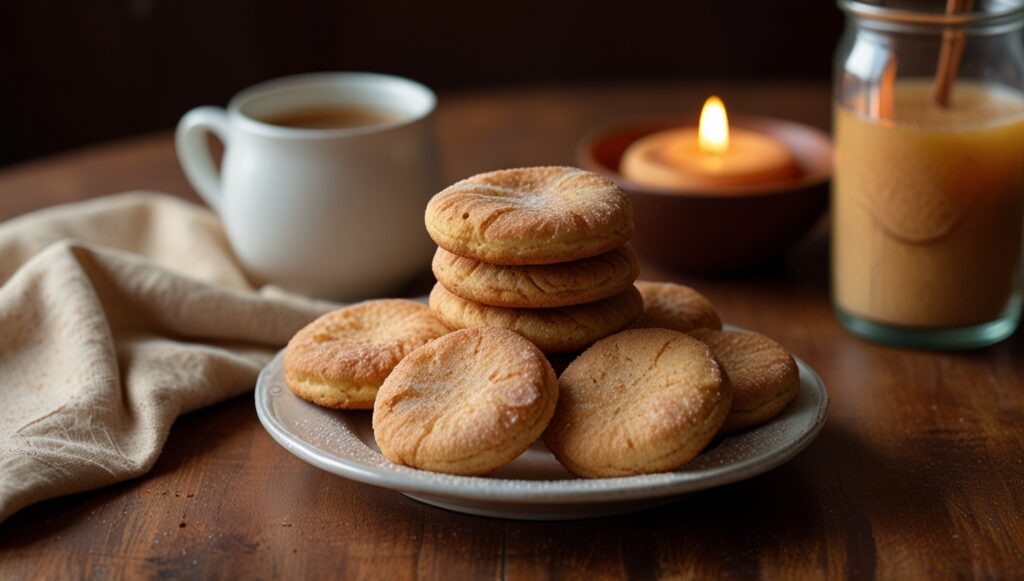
555	330
341	359
764	376
674	306
467	403
638	402
533	215
538	286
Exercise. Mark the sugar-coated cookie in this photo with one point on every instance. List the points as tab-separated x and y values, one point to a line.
557	330
534	286
467	403
674	306
640	401
340	359
535	215
763	375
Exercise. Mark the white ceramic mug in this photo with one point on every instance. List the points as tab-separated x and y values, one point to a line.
334	213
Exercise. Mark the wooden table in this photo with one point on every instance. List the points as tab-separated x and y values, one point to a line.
918	472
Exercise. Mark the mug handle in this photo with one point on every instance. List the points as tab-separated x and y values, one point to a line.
194	150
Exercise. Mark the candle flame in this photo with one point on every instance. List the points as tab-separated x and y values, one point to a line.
713	132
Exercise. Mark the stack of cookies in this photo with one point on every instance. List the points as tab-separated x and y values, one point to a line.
541	251
533	262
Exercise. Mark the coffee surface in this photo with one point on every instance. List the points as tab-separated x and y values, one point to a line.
332	117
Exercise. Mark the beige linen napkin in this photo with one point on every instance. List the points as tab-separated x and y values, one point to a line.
118	315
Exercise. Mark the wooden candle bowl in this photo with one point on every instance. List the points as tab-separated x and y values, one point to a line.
729	228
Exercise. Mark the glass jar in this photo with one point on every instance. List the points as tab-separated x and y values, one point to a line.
928	191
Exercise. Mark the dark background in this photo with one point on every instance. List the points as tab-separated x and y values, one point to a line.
82	71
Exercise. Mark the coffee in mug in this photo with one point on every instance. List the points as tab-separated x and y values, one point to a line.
332	117
324	180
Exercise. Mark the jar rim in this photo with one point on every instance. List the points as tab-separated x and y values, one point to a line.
1006	11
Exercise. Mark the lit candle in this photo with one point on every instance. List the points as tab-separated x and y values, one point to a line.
710	156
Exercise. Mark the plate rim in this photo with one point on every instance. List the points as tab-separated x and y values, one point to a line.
466	488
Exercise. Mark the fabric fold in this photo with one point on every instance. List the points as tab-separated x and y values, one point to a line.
118	315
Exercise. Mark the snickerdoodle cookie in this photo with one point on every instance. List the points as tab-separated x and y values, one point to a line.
674	306
556	330
340	359
640	401
536	215
763	375
549	285
467	403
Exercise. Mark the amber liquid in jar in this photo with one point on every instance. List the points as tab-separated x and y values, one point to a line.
928	207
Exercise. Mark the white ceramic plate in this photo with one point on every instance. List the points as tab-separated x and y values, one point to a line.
534	486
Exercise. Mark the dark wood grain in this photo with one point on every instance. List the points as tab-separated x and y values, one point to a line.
917	474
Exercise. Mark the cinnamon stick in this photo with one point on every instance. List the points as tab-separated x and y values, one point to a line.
885	96
950	54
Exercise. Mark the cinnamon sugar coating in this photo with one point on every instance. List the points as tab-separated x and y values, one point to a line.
555	330
674	306
538	286
536	215
340	359
638	402
764	376
467	403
